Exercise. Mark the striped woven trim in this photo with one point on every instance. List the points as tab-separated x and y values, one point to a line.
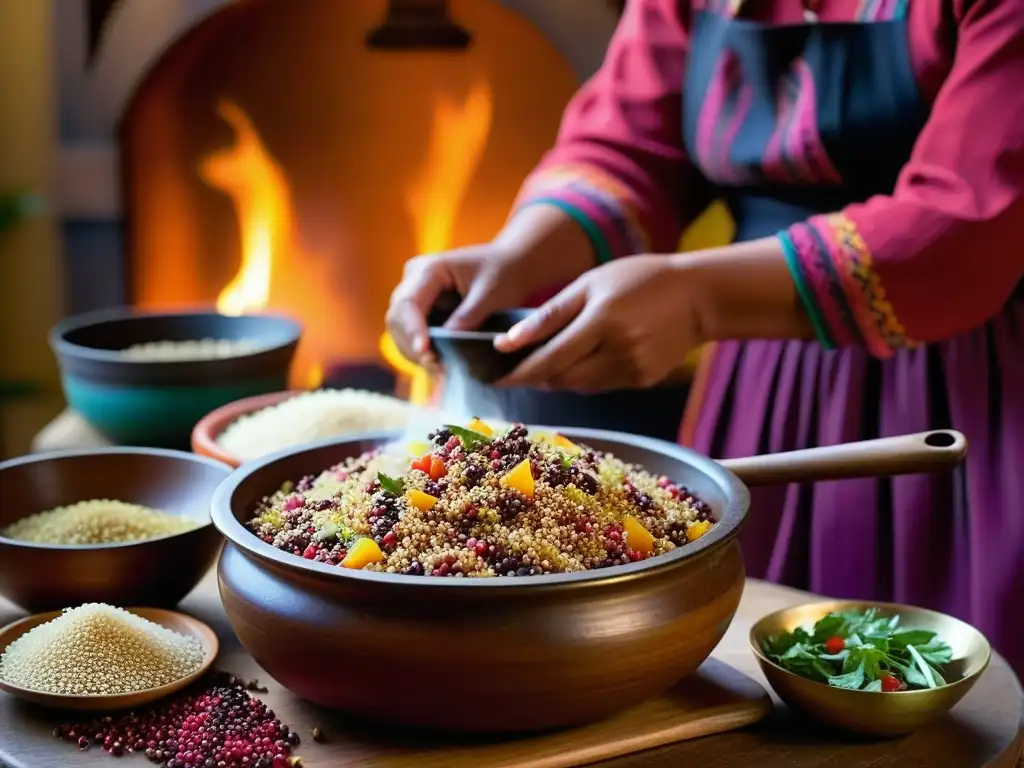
838	269
595	195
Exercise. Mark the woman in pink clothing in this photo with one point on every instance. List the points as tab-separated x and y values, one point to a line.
871	153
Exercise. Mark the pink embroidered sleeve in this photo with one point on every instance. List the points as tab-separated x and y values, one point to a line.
943	253
618	167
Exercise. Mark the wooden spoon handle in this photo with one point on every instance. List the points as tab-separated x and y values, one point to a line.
904	455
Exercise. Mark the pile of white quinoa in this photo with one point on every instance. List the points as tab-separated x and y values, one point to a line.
97	649
312	416
97	521
191	349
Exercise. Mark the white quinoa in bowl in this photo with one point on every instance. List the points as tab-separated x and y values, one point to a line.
479	502
312	416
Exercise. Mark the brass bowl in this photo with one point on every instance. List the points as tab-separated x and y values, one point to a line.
155	572
870	713
178	622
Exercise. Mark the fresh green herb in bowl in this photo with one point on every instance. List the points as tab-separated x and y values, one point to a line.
862	651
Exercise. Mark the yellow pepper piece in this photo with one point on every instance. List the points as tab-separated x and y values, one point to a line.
480	426
566	444
363	552
637	537
697	529
422	501
519	478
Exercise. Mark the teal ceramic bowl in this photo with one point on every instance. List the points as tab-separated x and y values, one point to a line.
157	403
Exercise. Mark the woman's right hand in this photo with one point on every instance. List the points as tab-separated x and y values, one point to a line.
488	277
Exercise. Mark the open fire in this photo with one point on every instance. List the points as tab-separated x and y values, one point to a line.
271	248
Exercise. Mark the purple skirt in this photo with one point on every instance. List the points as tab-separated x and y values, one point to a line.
951	541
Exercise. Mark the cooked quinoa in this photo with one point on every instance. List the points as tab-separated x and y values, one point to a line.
190	349
96	649
476	503
97	521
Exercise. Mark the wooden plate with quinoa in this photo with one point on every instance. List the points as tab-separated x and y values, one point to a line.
100	658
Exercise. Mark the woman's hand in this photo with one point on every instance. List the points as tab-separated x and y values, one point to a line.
485	276
539	249
629	323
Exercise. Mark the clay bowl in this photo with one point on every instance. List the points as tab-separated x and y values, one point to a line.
473	351
157	403
209	428
156	572
869	713
178	622
470	357
541	651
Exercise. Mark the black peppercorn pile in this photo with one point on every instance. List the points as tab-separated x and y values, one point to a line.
215	724
476	503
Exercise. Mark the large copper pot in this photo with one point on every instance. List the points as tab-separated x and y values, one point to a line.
511	654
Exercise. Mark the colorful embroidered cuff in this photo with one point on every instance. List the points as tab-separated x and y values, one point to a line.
832	263
599	203
805	291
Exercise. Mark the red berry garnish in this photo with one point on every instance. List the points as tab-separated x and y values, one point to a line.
891	684
310	552
834	645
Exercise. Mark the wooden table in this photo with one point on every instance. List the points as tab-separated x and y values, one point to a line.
985	729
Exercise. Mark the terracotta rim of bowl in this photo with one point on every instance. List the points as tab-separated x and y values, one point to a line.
38	458
727	529
897	608
210	427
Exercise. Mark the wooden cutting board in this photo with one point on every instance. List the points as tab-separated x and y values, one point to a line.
716	699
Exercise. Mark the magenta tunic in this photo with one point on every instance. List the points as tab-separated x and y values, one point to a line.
910	284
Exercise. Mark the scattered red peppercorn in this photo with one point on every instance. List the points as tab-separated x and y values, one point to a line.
215	723
835	645
310	552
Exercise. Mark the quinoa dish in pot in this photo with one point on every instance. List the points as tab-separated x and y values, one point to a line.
477	502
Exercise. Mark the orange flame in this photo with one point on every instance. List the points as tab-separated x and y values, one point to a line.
248	174
252	179
458	138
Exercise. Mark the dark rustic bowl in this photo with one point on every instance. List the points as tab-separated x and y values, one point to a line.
157	572
156	403
485	655
474	350
471	356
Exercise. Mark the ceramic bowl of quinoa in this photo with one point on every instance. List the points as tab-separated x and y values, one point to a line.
499	578
147	378
122	526
555	576
255	427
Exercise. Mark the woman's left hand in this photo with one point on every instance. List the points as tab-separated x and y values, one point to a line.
627	324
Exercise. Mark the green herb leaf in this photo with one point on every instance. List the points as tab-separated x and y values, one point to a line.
935	652
907	637
828	626
470	439
390	484
875	686
922	666
852	680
